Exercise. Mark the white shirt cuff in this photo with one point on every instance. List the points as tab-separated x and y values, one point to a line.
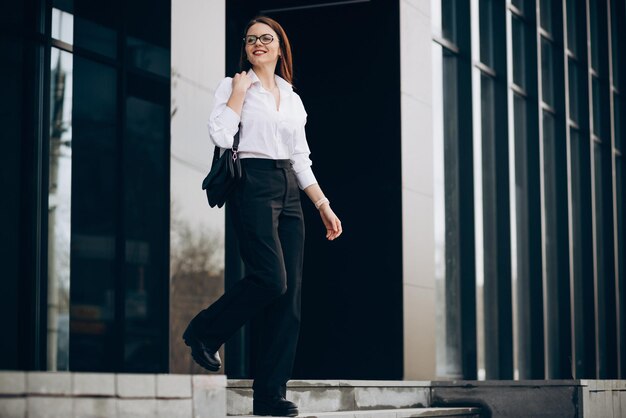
305	178
229	119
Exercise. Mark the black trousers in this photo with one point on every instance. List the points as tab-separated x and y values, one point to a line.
268	221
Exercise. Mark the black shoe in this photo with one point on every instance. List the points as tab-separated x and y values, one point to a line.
276	406
203	355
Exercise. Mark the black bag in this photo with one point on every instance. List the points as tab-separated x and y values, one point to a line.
224	175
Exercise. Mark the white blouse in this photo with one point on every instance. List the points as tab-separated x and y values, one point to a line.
265	131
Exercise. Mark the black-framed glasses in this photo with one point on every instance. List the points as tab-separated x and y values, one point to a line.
266	38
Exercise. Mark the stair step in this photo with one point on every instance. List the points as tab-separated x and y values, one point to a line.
391	413
336	395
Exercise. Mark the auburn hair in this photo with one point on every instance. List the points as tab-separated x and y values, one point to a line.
285	62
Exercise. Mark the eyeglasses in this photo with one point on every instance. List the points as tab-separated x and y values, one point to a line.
266	38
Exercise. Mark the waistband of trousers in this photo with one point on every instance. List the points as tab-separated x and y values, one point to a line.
265	163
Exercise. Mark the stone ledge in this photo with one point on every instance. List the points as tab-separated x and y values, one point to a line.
109	395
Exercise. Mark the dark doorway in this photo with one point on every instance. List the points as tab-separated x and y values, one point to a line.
347	72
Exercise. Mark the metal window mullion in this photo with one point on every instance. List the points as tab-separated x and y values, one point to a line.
590	74
478	185
570	194
616	220
546	334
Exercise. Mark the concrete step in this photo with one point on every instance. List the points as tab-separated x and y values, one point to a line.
392	413
341	398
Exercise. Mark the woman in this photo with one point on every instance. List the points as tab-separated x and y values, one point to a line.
266	213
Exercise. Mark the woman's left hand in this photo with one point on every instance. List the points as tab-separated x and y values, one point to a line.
331	222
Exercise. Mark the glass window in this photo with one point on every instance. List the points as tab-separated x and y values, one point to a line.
600	203
486	32
59	208
148	46
621	230
62	26
145	153
617	108
448	19
545	11
597	111
519	4
615	42
95	220
573	91
593	34
96	27
572	26
547	73
519	52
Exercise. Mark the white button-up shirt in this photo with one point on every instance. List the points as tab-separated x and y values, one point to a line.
265	131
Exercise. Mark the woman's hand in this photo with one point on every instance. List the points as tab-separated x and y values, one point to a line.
331	222
241	82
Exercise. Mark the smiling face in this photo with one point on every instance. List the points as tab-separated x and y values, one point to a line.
266	54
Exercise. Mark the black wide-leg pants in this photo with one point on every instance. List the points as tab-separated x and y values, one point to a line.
267	216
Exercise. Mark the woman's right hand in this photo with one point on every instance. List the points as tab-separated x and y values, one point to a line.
241	82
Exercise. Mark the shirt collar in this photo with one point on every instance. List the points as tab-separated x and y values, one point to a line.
280	82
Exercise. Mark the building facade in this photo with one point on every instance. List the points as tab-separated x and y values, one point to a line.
471	148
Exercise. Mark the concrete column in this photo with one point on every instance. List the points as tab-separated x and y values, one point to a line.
417	190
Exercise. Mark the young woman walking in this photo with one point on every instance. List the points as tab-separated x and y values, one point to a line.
266	213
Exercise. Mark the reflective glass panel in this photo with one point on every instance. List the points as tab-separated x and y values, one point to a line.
573	91
617	121
486	32
546	14
145	214
597	110
547	72
95	220
572	26
593	34
148	37
616	42
62	26
96	26
59	208
519	52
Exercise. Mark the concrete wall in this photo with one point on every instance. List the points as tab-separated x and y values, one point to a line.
197	231
417	190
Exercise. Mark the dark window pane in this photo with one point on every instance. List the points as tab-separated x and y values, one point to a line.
547	72
577	218
448	19
95	192
597	111
600	199
546	14
593	29
148	40
96	25
621	232
617	120
616	42
573	91
519	52
572	26
96	37
486	32
145	215
519	4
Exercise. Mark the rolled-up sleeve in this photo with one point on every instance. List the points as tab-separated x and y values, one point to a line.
223	121
300	157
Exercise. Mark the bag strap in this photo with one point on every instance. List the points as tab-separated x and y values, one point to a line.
216	151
